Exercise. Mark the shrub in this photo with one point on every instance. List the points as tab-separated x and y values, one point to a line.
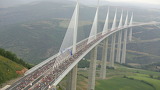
158	77
124	76
151	76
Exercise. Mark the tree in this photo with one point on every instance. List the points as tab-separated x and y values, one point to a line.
14	58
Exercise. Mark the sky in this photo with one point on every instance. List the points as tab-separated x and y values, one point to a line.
137	1
8	3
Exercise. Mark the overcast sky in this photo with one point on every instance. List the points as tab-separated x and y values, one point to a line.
8	3
138	1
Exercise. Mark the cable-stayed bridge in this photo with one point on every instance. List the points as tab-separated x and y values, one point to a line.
50	72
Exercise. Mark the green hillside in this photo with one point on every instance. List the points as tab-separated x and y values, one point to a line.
8	69
145	44
13	57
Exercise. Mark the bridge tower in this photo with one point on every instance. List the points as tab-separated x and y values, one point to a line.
105	49
92	69
105	29
93	57
123	60
72	76
104	59
118	55
112	53
93	32
130	31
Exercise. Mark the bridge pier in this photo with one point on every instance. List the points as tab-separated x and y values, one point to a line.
130	24
112	50
72	79
118	56
123	60
92	69
104	59
130	34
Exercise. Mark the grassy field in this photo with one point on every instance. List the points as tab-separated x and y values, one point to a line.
155	83
8	69
119	83
120	78
124	78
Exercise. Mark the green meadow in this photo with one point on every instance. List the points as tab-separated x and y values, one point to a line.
124	78
119	83
8	69
120	78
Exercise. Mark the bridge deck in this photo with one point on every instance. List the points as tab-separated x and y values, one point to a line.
51	73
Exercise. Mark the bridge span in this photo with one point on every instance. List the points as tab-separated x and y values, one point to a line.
46	75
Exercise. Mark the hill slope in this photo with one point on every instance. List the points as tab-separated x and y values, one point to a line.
8	69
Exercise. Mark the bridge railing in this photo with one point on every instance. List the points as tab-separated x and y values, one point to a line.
40	64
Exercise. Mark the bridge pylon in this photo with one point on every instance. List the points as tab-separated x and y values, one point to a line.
123	60
104	59
105	28
114	21
130	34
126	21
121	19
93	31
105	48
72	76
72	79
112	52
118	55
130	31
119	44
92	69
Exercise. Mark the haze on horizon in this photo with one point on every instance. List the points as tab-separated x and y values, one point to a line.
10	3
137	1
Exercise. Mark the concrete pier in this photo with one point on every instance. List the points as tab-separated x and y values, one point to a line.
104	59
130	34
112	50
123	60
92	69
118	55
72	79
